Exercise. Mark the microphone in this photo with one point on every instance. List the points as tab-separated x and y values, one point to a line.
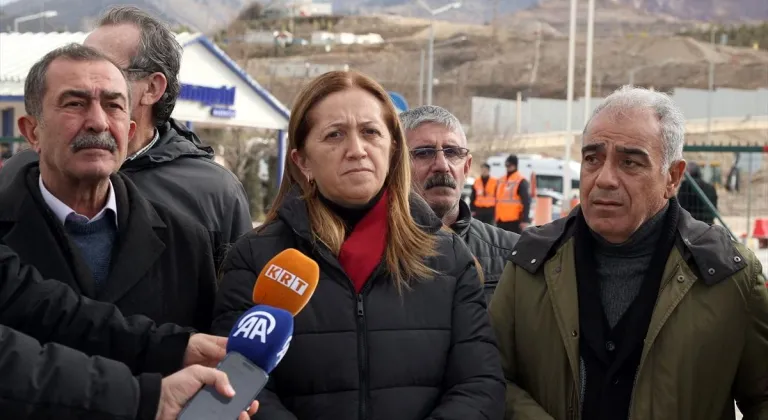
257	342
287	281
262	335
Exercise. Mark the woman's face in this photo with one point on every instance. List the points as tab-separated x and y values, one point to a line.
348	147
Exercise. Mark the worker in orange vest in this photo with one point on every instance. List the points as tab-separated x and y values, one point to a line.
483	198
513	199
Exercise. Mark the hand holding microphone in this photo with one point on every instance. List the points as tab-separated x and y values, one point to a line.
260	337
255	346
179	388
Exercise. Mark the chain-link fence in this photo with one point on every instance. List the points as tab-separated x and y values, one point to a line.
729	186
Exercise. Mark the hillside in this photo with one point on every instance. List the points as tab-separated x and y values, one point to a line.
500	64
481	11
75	15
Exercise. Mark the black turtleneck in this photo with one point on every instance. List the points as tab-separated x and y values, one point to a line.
621	267
351	215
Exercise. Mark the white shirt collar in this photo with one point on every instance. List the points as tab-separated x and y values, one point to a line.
62	211
145	148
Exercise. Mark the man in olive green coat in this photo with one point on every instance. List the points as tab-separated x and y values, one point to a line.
629	308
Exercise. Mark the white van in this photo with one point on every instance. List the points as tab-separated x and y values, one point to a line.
549	171
549	177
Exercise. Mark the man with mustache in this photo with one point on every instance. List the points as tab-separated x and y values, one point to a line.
167	162
441	161
630	307
74	218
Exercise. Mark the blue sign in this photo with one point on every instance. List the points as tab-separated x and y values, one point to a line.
399	100
222	112
208	96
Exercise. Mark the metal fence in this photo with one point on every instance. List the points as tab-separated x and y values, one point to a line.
739	177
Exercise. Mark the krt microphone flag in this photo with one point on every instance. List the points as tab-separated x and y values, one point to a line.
262	335
287	281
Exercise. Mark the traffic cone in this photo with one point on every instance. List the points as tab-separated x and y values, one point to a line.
761	229
543	213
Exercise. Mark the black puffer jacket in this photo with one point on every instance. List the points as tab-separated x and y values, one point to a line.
491	246
376	356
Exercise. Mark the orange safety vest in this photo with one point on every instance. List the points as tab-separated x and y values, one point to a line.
485	196
509	207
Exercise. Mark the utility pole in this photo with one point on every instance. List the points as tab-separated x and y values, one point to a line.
566	203
431	57
494	22
590	49
710	90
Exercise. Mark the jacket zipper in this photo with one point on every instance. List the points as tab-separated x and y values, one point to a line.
362	356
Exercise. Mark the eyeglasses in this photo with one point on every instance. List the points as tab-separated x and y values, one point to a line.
453	155
136	71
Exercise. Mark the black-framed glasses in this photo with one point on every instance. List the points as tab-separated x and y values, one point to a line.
453	155
136	71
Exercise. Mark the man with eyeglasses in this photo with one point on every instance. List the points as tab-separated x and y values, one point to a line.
441	161
168	163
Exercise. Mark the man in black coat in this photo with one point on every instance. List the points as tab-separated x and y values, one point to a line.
441	162
168	163
693	202
54	380
76	220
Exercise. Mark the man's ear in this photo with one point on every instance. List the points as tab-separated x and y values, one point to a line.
468	164
676	174
131	129
28	128
155	89
301	162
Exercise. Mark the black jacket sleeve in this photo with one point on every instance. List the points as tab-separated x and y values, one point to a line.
241	216
473	379
53	381
50	311
206	291
239	274
524	191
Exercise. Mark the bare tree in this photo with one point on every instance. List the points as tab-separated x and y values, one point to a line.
243	151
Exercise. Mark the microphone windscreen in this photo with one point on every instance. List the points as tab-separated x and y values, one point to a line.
287	281
263	335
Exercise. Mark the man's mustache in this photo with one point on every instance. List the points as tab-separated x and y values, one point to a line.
103	141
440	180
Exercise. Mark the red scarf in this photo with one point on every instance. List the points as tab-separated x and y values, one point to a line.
361	253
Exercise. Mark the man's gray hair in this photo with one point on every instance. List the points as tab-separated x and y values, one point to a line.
671	119
413	118
35	86
158	51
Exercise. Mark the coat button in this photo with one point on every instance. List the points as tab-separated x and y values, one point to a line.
680	279
533	261
574	333
514	252
610	346
557	269
737	258
711	271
